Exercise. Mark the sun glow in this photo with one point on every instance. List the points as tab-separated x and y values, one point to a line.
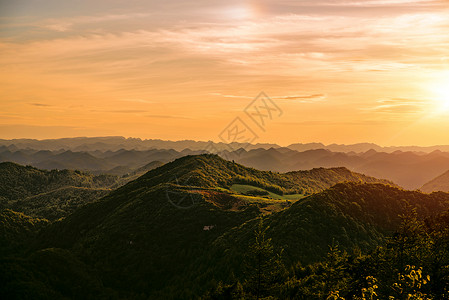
440	92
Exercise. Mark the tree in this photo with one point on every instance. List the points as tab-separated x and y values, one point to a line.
264	267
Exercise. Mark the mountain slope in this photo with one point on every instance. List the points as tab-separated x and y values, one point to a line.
176	231
348	214
49	194
142	237
319	179
440	183
18	181
17	229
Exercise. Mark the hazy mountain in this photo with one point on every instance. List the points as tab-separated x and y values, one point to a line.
114	143
118	162
86	144
408	169
440	183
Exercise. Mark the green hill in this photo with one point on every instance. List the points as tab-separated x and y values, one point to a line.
17	229
210	171
349	214
178	230
139	239
57	203
18	181
319	179
49	194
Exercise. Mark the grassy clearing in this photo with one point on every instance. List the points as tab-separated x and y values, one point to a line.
244	188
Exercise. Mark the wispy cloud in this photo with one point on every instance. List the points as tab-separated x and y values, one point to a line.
399	106
64	24
40	104
303	98
297	98
137	100
231	96
192	59
168	117
121	111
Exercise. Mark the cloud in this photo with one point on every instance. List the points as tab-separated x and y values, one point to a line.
231	96
303	98
167	117
137	100
190	60
40	104
297	98
371	3
121	111
399	106
65	24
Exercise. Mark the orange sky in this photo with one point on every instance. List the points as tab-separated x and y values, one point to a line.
340	71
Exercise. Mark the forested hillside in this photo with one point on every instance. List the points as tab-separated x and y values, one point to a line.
49	194
189	229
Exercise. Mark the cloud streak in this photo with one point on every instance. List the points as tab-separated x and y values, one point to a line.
399	106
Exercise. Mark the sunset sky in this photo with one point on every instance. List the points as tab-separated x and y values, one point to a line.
340	71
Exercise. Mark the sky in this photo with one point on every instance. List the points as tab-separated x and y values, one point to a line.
331	71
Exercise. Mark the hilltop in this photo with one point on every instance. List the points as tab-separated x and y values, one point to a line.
49	194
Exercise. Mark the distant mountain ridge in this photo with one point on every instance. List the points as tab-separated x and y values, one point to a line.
114	143
410	170
438	184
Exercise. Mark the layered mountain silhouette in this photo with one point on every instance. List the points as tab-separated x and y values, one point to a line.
114	143
410	170
438	184
176	231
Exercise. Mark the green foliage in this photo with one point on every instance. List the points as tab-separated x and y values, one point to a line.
49	194
135	244
257	193
210	170
50	274
264	268
18	182
17	230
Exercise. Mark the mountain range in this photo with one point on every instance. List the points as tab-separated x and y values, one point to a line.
114	143
410	170
181	228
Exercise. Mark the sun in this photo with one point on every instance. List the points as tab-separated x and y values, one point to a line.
439	90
